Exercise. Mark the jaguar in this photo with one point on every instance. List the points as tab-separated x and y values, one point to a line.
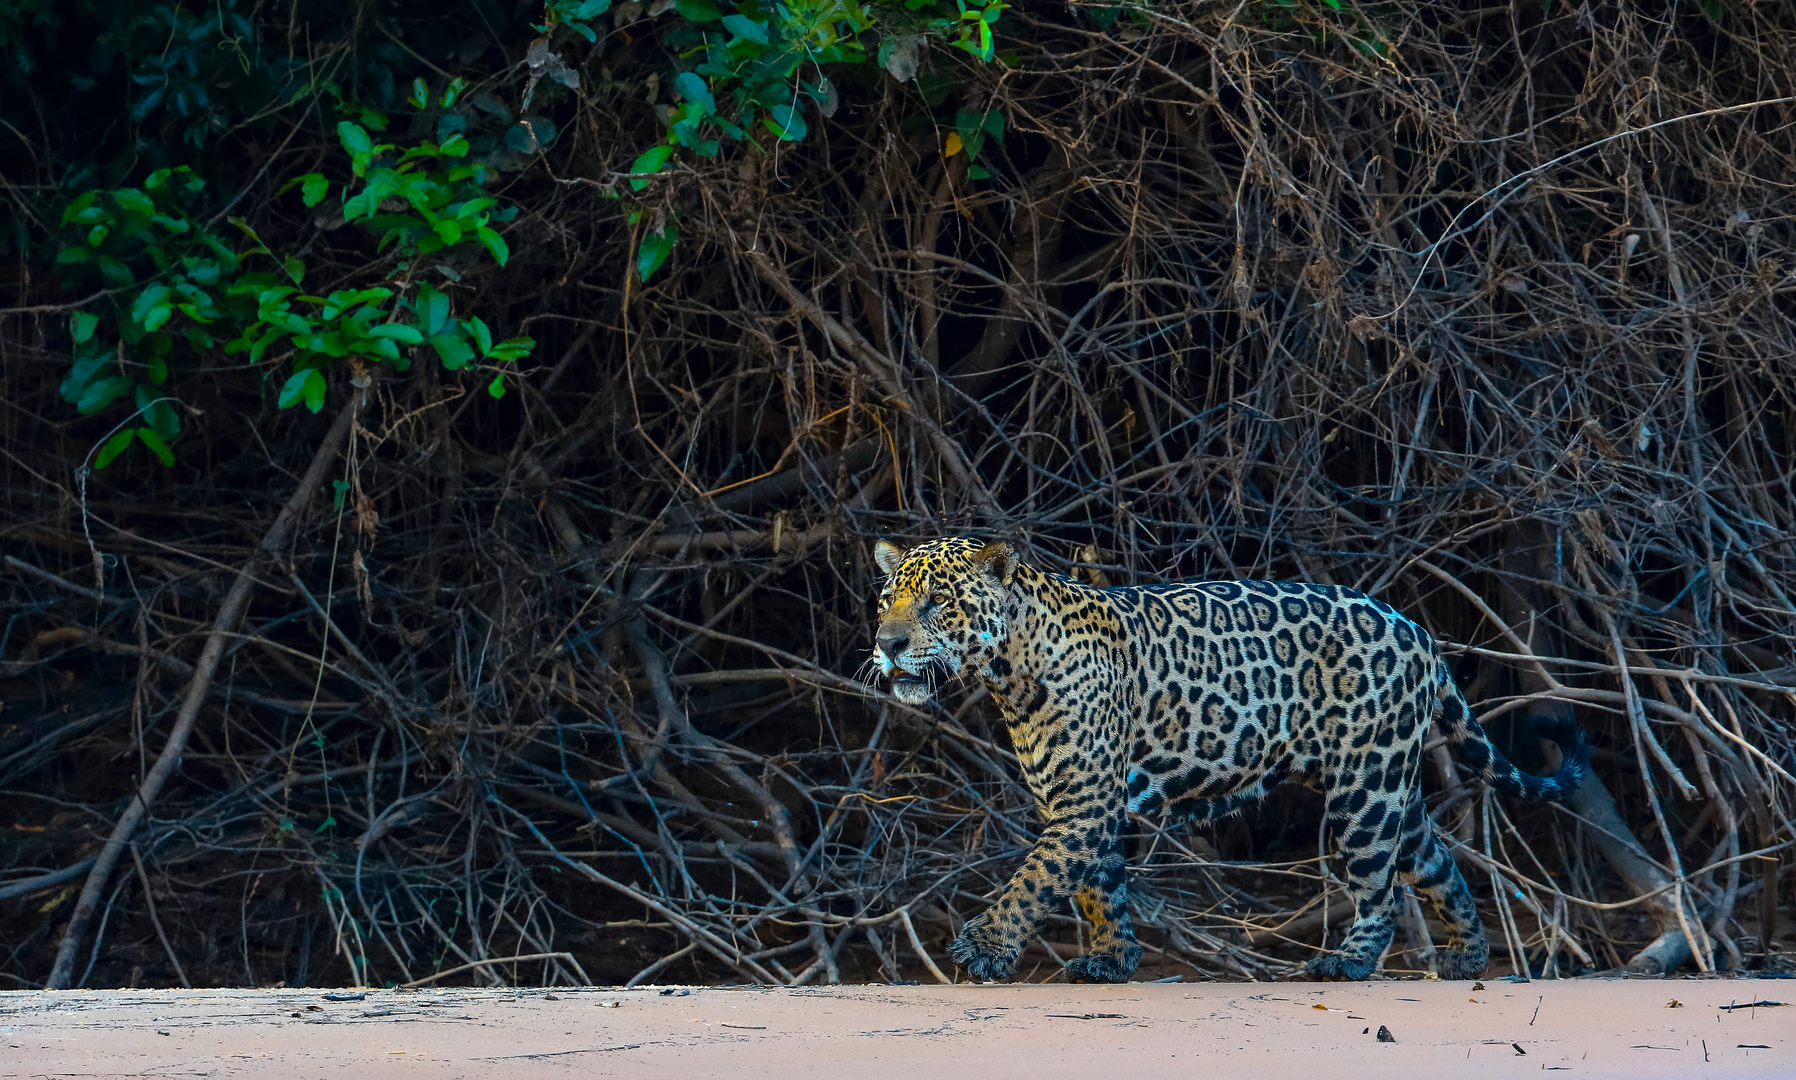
1195	700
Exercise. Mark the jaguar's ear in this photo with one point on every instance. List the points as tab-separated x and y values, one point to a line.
888	555
997	559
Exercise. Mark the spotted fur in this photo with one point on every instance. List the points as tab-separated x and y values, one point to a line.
1194	700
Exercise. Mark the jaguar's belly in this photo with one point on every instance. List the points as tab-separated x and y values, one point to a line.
1162	782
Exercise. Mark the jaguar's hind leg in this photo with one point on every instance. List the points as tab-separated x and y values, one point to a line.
1114	952
1425	863
1103	900
1367	824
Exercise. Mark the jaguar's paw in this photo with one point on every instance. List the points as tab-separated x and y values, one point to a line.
1463	963
979	952
1335	966
1099	968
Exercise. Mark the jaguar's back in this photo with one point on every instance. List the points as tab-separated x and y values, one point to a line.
1238	686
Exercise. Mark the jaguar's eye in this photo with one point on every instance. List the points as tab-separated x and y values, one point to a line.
938	598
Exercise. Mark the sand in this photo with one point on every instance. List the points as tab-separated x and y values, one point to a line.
1276	1031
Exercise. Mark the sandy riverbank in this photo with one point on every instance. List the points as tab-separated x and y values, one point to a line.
991	1032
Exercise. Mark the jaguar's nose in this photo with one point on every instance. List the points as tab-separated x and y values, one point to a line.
893	643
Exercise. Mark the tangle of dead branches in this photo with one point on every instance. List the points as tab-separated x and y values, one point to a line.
571	686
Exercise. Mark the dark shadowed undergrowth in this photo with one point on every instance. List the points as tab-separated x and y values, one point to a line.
1484	310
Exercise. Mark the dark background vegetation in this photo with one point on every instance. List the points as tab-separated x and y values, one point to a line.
1249	289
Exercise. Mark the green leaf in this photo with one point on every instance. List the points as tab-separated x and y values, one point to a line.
113	447
420	94
482	336
296	269
650	161
149	438
344	299
329	822
161	416
81	326
452	350
493	243
204	271
512	349
114	272
497	387
786	122
654	250
361	148
135	201
521	137
261	344
245	228
699	10
82	372
293	388
473	207
744	27
692	87
313	187
397	332
314	390
288	321
103	392
973	127
355	139
433	307
81	210
307	386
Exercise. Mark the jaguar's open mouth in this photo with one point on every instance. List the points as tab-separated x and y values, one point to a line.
912	689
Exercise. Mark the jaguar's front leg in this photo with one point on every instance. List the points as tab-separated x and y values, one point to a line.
1077	852
988	945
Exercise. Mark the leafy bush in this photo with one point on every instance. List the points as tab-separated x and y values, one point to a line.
171	281
760	63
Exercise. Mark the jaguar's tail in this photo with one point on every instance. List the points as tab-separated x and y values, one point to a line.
1474	748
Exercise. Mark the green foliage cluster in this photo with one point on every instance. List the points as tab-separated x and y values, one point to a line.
170	290
169	279
762	63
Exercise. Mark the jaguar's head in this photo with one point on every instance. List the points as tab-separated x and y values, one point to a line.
940	611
